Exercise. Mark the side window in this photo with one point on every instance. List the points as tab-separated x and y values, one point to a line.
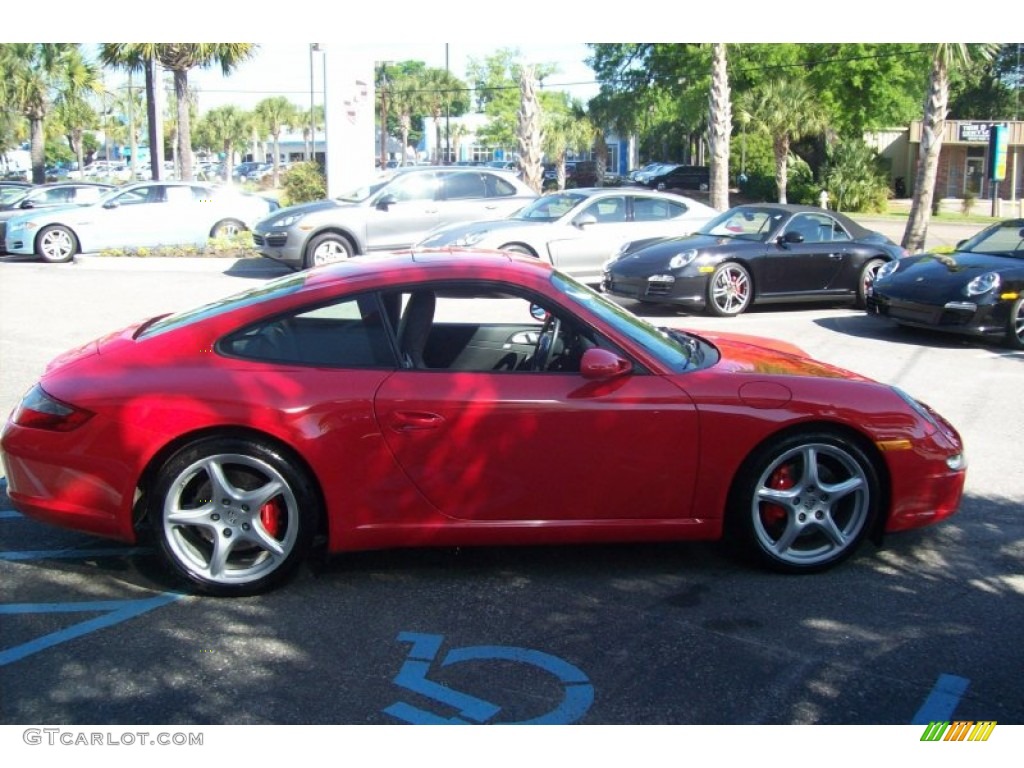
608	210
180	195
87	195
413	186
498	187
652	209
346	334
464	186
815	228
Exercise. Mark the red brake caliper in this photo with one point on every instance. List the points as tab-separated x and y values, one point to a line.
782	480
270	516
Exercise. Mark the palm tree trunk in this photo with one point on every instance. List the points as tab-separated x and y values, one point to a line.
781	147
154	122
720	110
932	128
38	149
184	127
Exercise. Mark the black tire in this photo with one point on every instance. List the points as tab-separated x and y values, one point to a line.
805	502
729	290
233	516
867	277
56	244
1015	326
228	228
327	249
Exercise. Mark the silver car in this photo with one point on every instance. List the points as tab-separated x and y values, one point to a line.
391	212
580	229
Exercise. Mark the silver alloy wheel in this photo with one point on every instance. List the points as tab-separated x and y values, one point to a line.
867	279
228	228
730	290
230	519
328	252
811	505
56	244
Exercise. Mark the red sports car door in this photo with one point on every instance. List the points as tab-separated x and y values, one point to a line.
543	446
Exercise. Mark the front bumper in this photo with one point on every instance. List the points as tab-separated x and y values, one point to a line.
280	245
966	317
661	288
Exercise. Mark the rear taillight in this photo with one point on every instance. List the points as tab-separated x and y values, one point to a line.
40	411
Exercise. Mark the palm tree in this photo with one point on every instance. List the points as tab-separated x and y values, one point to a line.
406	97
529	132
440	89
141	57
565	132
32	77
946	57
226	128
129	105
73	111
786	110
719	127
181	58
273	115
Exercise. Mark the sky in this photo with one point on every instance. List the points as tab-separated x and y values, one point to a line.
283	68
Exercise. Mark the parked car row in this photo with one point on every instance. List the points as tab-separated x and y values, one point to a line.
146	214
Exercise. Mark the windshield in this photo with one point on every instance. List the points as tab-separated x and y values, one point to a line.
746	223
11	195
549	207
1003	239
676	350
365	191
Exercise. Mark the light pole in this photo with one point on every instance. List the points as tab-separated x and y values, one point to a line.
383	115
447	115
312	104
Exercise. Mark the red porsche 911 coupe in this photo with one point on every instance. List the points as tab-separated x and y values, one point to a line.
455	399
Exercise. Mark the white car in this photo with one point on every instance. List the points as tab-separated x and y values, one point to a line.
147	214
578	230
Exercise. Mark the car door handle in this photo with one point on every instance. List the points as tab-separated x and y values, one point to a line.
414	421
835	255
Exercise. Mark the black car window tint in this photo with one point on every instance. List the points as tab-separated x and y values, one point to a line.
499	187
344	334
464	186
649	209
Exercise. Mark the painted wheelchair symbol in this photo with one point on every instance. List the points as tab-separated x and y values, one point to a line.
578	692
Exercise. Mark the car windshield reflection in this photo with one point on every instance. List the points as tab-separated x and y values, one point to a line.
754	224
1003	239
549	207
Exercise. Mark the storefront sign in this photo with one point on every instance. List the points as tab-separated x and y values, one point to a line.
974	132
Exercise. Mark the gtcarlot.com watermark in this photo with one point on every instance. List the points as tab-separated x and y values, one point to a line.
67	737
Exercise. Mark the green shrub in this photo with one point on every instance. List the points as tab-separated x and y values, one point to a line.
304	182
856	178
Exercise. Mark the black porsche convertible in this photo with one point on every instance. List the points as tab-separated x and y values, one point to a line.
977	290
756	253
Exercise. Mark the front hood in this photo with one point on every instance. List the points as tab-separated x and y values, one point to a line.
655	253
304	209
943	275
451	234
757	355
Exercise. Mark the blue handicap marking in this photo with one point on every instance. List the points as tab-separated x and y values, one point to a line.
577	699
112	612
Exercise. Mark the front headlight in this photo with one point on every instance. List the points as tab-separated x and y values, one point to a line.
982	284
286	221
680	260
886	269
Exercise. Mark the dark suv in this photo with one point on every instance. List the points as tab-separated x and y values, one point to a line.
682	177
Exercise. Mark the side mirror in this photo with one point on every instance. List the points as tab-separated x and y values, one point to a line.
598	364
791	237
585	220
27	204
537	312
385	201
112	204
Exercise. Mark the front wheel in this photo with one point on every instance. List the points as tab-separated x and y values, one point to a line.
729	290
867	279
327	249
233	516
1015	326
56	244
804	503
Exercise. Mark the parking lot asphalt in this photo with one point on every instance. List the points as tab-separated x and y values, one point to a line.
91	632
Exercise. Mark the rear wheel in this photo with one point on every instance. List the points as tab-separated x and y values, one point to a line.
867	278
516	248
1015	326
56	244
228	228
805	502
233	516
